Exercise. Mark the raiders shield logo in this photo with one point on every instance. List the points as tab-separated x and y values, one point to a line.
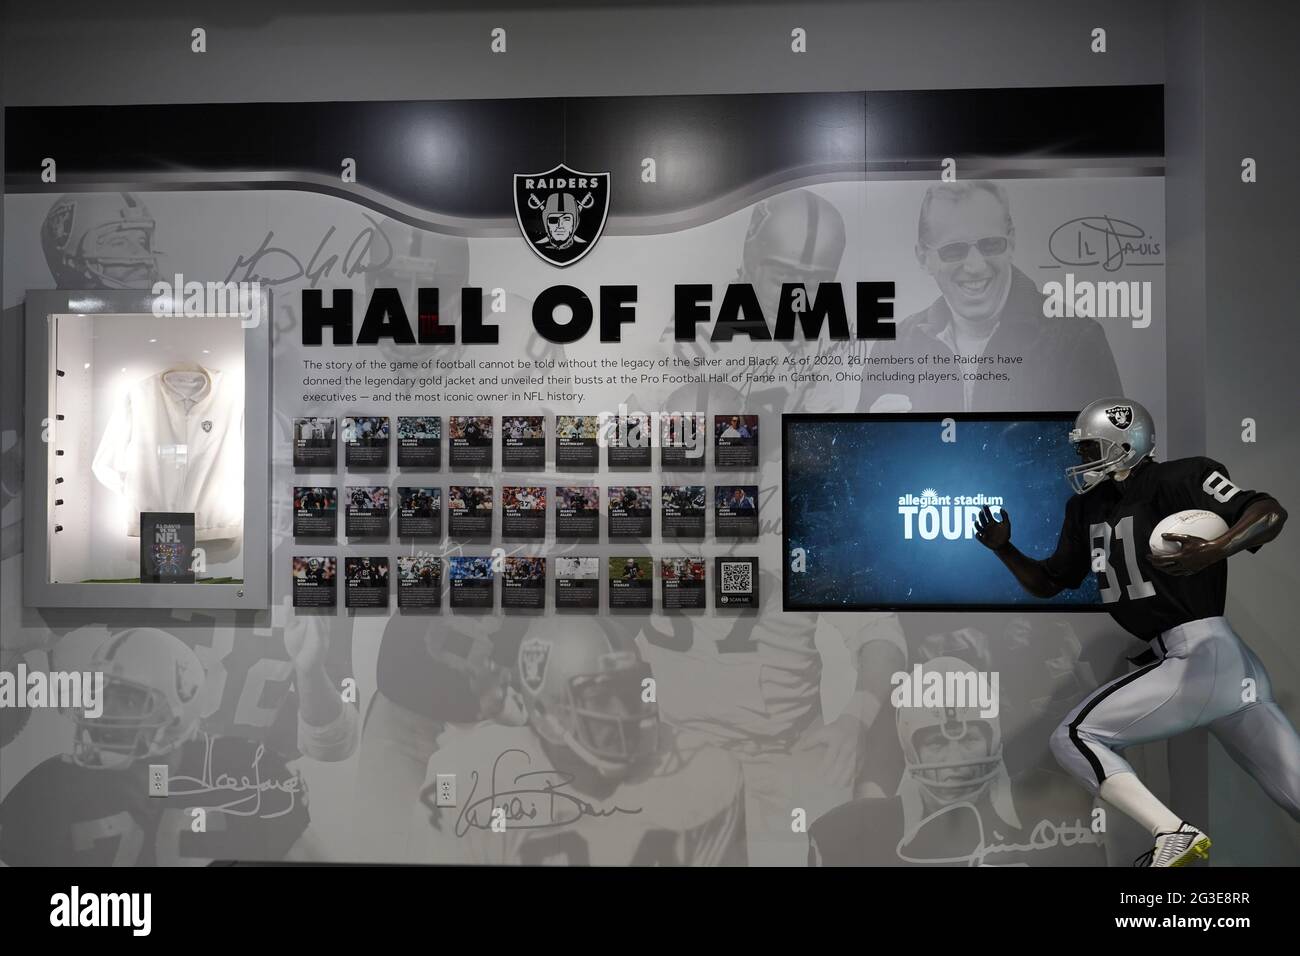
1121	416
58	224
207	424
533	655
561	212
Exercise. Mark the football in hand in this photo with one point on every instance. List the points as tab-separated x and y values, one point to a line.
1194	522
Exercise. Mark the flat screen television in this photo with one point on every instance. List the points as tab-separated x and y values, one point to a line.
881	508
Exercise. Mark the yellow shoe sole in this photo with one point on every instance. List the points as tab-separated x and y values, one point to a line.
1200	850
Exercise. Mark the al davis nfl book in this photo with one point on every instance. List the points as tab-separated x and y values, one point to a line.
166	543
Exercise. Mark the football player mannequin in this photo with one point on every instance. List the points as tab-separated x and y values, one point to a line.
593	778
957	805
91	807
1200	670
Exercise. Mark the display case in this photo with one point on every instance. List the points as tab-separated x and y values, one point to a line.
148	465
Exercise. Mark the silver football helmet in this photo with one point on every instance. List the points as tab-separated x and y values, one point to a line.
1110	435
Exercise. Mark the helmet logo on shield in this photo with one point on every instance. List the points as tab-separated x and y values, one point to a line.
561	212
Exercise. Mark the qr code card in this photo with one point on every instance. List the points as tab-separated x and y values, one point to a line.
736	582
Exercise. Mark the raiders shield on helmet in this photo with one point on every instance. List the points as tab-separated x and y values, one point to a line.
1121	416
533	655
561	212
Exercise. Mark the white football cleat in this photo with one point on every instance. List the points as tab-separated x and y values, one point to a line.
1177	848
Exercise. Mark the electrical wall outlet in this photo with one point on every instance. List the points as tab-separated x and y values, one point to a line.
446	795
157	780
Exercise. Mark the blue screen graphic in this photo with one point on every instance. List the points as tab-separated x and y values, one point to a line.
883	508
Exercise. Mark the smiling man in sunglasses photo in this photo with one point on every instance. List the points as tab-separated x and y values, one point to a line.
987	307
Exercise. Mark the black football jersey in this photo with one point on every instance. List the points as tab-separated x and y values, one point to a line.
1117	519
62	814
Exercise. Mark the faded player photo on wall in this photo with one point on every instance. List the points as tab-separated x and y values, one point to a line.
735	511
523	512
682	509
366	582
631	583
469	511
419	441
472	582
315	512
365	441
683	583
419	582
630	511
577	582
470	438
628	440
577	513
682	442
523	583
368	511
735	441
576	444
419	513
315	444
315	581
523	441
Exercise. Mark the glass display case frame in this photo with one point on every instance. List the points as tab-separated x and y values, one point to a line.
44	486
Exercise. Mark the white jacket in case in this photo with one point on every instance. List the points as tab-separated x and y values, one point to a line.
176	443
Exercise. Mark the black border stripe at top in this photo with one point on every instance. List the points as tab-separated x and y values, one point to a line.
456	157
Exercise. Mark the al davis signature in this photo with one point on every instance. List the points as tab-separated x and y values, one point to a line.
368	251
530	799
1100	240
246	790
1046	835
